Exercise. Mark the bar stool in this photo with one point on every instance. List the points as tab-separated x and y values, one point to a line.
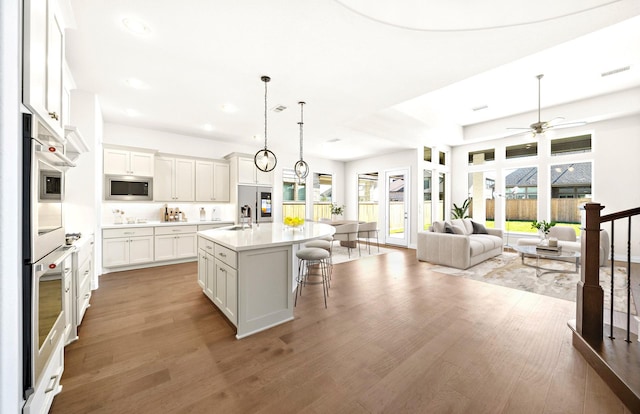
307	257
326	245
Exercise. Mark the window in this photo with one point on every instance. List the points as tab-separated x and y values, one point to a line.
322	196
479	157
572	145
442	158
368	197
441	188
521	193
293	195
426	199
570	187
522	150
482	186
427	154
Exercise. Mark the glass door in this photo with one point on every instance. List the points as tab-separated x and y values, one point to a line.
397	200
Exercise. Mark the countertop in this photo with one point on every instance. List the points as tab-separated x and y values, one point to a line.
267	235
166	223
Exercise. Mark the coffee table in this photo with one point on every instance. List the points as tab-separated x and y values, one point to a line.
532	252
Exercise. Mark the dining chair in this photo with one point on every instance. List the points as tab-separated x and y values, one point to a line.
348	233
365	231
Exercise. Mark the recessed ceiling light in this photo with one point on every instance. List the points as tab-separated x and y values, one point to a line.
479	108
136	83
207	127
331	141
136	26
132	112
229	108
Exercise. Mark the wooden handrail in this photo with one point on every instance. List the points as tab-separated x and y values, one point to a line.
620	214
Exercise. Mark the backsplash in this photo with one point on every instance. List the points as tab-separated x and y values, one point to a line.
152	211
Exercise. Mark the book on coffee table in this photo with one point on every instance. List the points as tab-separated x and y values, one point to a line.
546	248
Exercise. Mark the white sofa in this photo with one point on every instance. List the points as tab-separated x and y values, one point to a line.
567	239
462	249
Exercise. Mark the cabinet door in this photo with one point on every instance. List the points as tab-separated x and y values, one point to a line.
220	182
140	249
186	245
116	161
35	55
220	290
141	163
202	269
210	284
165	247
115	252
185	172
265	178
204	180
55	59
231	295
67	305
163	179
246	171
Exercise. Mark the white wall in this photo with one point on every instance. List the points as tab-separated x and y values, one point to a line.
398	160
10	208
615	152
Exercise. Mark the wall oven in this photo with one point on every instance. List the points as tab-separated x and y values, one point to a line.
43	239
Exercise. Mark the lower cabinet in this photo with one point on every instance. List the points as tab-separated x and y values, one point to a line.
48	385
218	277
176	242
122	247
80	288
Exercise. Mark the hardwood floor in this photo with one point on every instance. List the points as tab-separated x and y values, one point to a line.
395	338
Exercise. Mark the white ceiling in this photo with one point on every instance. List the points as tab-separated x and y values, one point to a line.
377	76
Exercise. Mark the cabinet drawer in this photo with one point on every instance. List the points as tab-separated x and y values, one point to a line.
206	245
48	385
85	251
84	278
175	230
82	301
128	232
225	254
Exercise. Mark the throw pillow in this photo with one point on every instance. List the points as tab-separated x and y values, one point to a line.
458	230
438	226
448	228
478	228
462	225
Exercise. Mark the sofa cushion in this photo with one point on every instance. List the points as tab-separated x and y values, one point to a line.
438	226
478	228
481	243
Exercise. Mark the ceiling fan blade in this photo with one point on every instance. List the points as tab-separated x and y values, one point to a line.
521	128
515	134
554	120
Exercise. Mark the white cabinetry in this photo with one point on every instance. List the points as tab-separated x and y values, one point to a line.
122	247
175	242
67	298
212	181
206	267
43	62
123	162
248	173
174	179
48	385
83	274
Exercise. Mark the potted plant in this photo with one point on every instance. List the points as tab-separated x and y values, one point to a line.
543	227
461	212
336	210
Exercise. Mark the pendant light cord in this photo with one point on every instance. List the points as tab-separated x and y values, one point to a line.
265	79
301	123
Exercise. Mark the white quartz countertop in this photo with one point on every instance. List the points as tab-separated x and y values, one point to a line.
266	235
166	223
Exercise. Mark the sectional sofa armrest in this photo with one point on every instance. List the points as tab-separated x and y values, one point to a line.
495	232
444	248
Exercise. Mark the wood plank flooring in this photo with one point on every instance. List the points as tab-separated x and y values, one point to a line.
396	338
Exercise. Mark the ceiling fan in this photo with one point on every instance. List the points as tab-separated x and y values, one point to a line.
541	127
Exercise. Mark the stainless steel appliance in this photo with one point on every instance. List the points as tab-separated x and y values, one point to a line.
43	235
128	188
259	199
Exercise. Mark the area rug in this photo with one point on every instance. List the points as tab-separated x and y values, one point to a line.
507	270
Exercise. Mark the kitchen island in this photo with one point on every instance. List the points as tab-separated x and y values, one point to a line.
249	273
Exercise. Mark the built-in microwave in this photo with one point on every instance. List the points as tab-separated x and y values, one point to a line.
128	188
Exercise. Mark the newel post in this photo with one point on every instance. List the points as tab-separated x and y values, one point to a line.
590	297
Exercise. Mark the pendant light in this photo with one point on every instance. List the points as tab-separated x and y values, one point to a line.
264	159
301	168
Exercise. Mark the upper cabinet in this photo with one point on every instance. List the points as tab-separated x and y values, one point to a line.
212	181
246	172
123	162
174	179
43	59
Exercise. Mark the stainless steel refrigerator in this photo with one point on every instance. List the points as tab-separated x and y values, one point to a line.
259	200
